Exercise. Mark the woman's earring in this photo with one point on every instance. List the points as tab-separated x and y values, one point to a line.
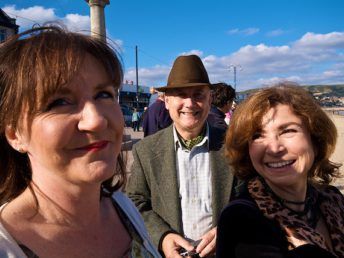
21	150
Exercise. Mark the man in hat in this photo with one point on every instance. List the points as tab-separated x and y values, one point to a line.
180	179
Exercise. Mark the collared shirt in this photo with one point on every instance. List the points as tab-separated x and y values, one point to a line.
195	189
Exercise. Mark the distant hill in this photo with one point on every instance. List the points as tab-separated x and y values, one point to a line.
325	90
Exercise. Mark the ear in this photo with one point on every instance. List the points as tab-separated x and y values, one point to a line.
15	139
167	101
210	98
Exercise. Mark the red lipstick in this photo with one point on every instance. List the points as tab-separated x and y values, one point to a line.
96	146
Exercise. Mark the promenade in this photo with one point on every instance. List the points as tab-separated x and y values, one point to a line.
134	137
338	155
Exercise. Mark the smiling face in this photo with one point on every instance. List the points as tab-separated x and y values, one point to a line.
282	152
188	108
77	136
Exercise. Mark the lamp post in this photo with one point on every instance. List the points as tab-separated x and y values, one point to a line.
234	68
137	78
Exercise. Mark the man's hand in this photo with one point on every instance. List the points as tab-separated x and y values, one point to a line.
172	243
208	244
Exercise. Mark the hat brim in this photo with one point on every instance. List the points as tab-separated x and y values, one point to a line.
187	85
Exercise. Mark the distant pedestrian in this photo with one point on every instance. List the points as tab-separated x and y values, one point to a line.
135	120
223	96
156	117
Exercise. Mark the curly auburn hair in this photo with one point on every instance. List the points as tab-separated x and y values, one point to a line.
247	118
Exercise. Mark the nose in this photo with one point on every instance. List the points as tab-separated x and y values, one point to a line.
92	119
274	145
189	102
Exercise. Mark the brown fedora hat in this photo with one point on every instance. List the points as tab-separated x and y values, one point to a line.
187	71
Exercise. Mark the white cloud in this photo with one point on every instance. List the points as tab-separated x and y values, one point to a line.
192	52
77	22
329	40
246	32
274	80
26	18
154	76
299	61
275	33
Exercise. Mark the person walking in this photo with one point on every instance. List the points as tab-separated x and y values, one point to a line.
135	120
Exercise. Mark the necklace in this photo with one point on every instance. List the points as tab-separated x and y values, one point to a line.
311	211
282	200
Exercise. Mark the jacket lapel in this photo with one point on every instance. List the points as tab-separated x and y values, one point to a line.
166	177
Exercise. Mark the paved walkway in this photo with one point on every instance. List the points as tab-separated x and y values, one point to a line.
134	137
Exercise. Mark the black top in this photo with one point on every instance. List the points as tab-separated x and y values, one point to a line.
243	231
217	118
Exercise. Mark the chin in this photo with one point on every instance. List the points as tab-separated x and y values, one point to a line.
101	171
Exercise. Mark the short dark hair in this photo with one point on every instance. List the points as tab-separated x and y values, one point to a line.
222	93
34	65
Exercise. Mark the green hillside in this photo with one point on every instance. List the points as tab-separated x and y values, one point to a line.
325	90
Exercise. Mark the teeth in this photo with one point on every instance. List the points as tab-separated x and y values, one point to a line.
279	164
189	113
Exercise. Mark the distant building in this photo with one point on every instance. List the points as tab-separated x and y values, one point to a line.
127	96
8	26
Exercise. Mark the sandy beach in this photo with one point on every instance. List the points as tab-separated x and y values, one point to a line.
338	155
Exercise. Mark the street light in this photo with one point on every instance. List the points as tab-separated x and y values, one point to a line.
235	68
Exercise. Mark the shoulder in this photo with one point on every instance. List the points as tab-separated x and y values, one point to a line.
216	137
129	209
332	193
240	209
8	246
125	203
164	135
135	218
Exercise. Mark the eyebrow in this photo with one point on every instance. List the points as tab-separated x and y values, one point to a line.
107	84
283	126
66	90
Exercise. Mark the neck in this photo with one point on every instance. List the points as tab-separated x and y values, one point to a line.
292	197
65	204
189	135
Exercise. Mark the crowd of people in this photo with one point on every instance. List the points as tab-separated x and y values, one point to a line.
199	186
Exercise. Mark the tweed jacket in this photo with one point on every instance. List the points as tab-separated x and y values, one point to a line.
153	184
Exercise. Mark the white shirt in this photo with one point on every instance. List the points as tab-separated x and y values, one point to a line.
195	189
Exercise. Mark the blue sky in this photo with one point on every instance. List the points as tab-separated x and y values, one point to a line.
268	40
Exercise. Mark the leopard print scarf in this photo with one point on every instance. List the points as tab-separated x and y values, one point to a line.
298	232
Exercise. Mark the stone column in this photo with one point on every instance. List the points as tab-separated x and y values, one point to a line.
98	18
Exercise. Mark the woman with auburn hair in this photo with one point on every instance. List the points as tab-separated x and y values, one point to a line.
279	143
61	132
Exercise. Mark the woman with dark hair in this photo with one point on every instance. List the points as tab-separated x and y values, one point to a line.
279	143
61	132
